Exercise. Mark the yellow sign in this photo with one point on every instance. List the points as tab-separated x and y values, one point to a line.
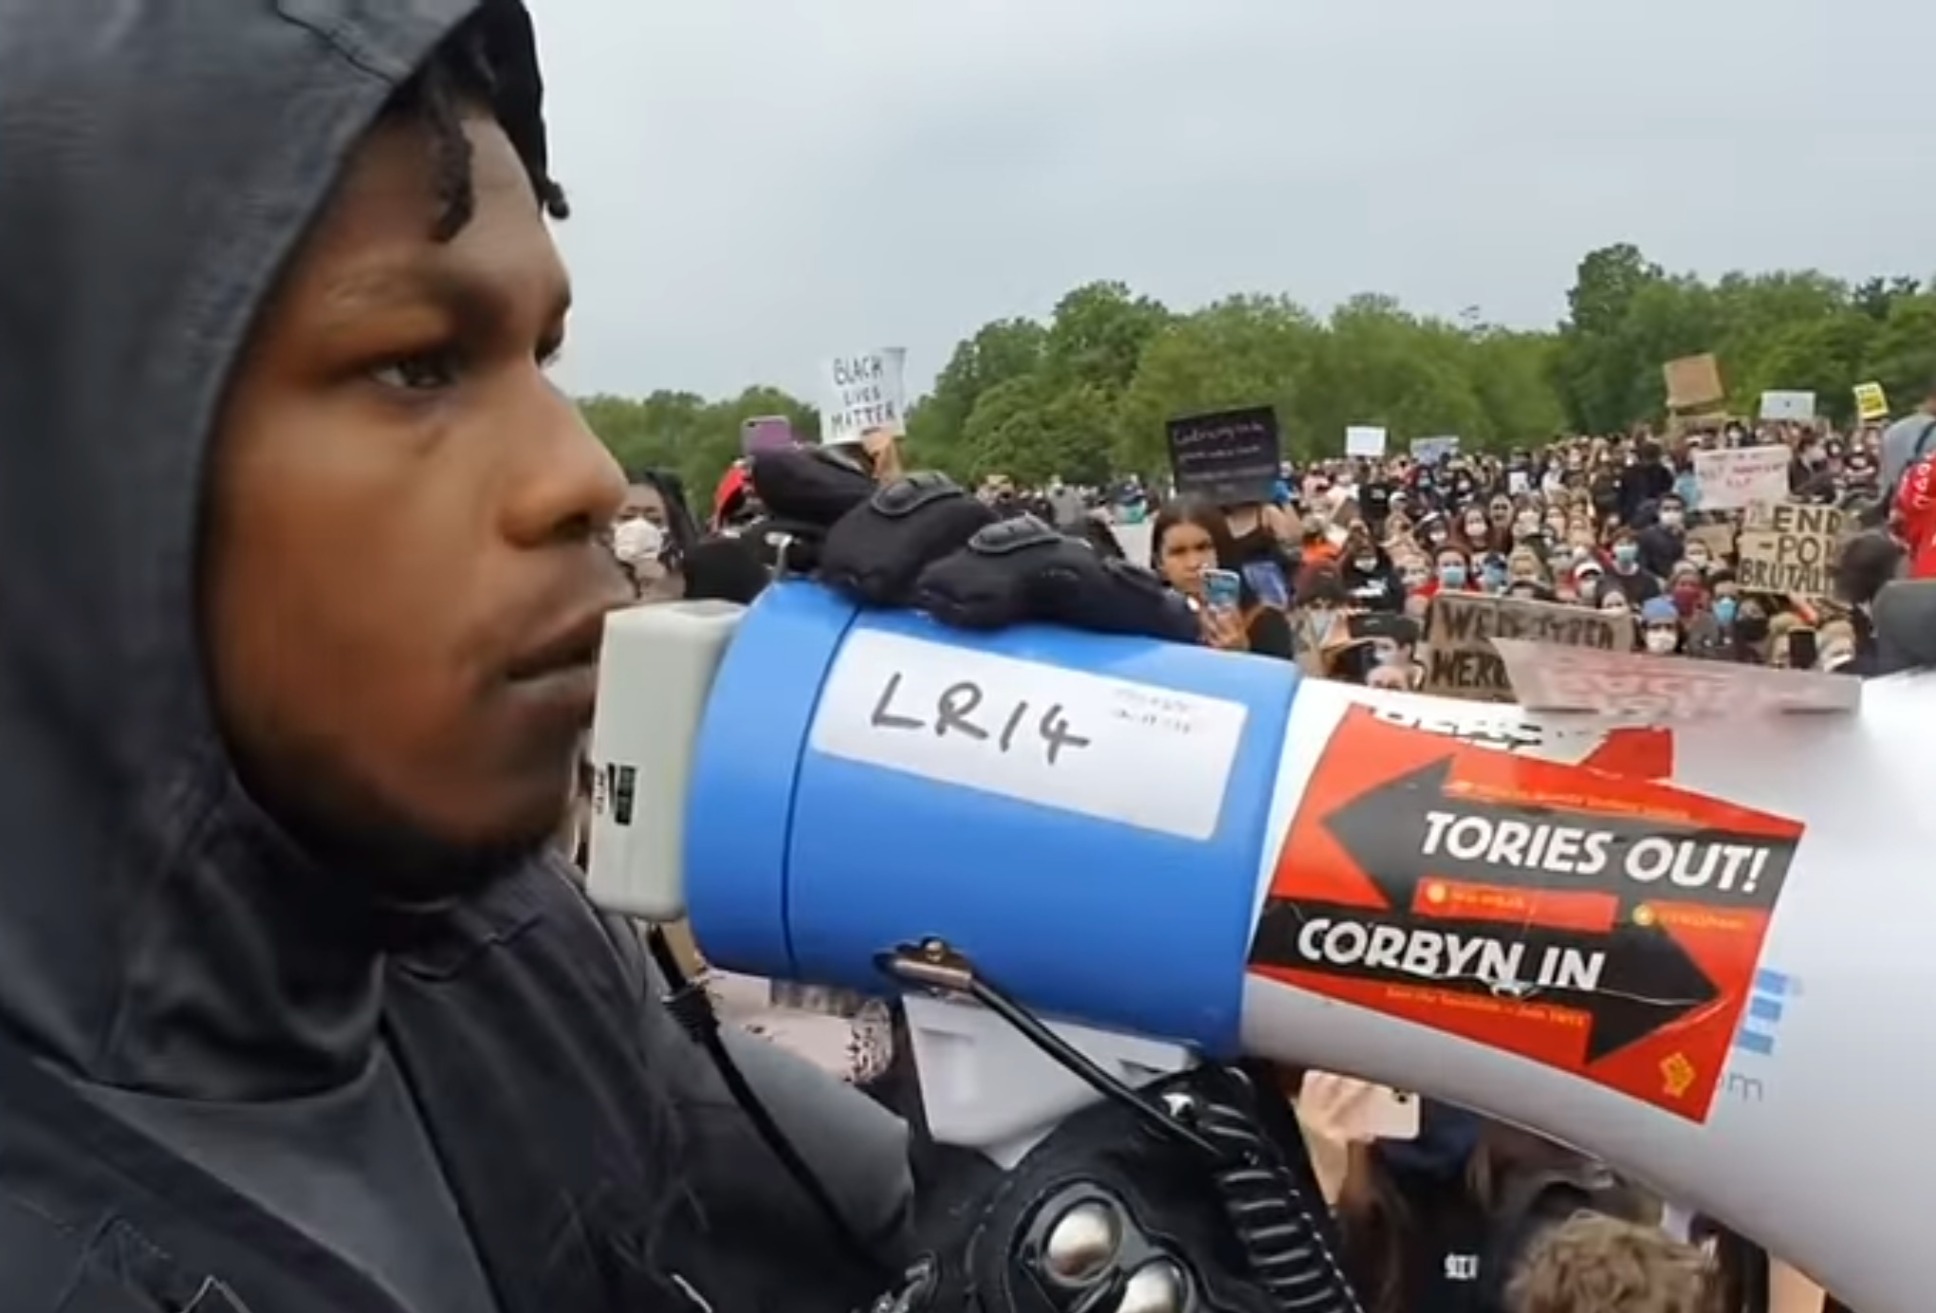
1870	401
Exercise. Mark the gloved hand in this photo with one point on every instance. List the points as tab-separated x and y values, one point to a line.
1109	1215
1020	569
923	541
806	490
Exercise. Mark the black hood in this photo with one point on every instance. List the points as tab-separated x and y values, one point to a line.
161	161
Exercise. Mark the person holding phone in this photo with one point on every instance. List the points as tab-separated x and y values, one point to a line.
1194	553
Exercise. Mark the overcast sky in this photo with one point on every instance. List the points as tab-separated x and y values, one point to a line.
760	184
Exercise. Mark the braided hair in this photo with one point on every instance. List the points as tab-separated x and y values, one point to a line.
487	62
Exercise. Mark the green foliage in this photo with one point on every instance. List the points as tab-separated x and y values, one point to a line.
1089	391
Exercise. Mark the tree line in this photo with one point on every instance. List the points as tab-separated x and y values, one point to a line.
1087	392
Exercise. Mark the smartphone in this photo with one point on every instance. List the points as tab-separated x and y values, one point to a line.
1222	589
1803	649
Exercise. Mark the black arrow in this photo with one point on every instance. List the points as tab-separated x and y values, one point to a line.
1385	831
1645	983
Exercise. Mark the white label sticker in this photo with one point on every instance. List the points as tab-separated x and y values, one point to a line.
1135	753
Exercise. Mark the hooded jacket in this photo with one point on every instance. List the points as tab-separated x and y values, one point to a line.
189	1005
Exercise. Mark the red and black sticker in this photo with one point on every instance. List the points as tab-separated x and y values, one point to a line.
1605	925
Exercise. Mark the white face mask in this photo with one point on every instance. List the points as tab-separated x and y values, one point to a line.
1661	640
638	543
1670	519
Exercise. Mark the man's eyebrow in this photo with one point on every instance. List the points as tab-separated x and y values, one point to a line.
398	285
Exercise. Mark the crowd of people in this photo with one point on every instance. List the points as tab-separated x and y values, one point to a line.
1609	522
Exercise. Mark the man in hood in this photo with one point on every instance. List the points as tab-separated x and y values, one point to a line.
303	564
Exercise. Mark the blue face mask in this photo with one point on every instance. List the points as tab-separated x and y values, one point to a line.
1495	577
1452	576
1626	553
1724	611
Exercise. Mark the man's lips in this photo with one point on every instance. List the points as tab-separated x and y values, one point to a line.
571	646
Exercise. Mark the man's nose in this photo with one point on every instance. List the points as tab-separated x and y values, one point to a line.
567	483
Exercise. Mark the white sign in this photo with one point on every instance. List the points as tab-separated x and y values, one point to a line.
864	392
1642	686
1797	406
1437	448
1155	758
1733	478
1364	440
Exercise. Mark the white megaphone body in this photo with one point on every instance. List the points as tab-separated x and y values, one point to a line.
1691	947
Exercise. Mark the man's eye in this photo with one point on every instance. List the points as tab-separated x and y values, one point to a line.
426	371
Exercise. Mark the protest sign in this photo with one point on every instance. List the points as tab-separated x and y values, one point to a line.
1717	536
1645	686
1871	403
1692	382
765	433
1733	478
1430	451
864	392
1460	629
1229	457
1364	440
1789	548
1795	407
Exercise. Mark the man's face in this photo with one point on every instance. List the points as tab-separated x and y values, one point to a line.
405	577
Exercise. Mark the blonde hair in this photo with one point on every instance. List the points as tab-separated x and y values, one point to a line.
1593	1263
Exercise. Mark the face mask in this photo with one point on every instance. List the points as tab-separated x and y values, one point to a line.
1698	561
1626	553
1414	578
1436	537
1724	610
637	542
1751	628
1495	578
1660	641
1671	519
1366	564
1475	528
1686	598
1452	576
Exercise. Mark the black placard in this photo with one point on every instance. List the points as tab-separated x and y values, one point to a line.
1230	457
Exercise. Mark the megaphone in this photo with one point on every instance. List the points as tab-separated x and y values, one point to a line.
1690	948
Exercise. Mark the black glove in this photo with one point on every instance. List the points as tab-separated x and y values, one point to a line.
1020	569
1108	1214
879	547
805	490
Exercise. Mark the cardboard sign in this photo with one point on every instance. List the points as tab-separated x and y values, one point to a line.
1430	451
1229	458
1789	548
1605	926
1871	403
1717	536
865	392
1364	440
1793	407
1460	629
765	433
1643	686
1733	478
1693	382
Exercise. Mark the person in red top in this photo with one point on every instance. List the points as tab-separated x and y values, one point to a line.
1914	517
